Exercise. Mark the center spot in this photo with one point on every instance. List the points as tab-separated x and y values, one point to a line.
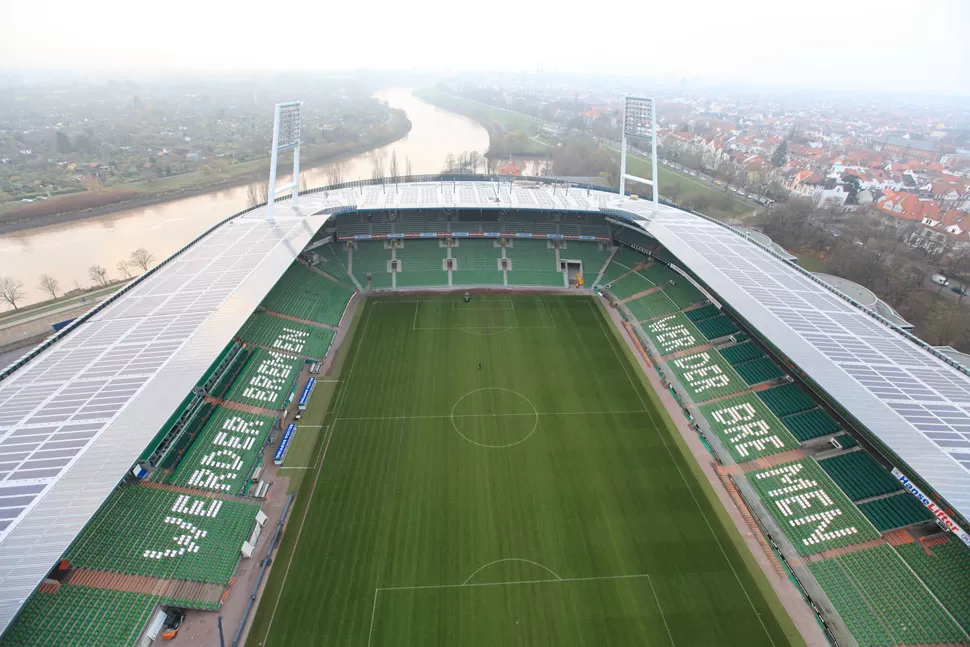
494	417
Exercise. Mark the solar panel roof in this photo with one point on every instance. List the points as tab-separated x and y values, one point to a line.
74	419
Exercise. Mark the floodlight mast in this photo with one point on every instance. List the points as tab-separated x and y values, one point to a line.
638	123
287	123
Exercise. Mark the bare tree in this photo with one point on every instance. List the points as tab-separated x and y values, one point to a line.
407	166
377	163
49	284
393	168
11	290
142	258
334	172
252	194
98	274
124	269
449	163
303	184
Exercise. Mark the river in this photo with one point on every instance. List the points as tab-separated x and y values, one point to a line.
67	251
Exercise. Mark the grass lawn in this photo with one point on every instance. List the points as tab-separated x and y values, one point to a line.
721	204
509	121
541	499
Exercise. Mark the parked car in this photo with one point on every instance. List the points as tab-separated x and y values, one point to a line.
939	279
959	289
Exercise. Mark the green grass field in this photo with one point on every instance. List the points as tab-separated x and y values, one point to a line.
541	499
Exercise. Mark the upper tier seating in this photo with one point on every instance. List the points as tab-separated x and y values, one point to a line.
895	511
633	283
786	399
759	370
284	334
651	305
702	313
859	475
810	424
305	294
742	352
714	327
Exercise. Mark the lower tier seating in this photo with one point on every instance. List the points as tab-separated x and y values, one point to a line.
847	441
476	263
633	283
143	530
266	380
882	602
895	511
702	313
742	352
592	256
651	305
947	574
421	262
628	257
333	261
859	475
283	334
372	258
533	263
81	615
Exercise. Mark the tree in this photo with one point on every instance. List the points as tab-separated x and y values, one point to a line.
780	156
407	166
672	191
852	187
11	290
63	142
334	173
142	258
449	163
49	284
124	269
98	274
393	168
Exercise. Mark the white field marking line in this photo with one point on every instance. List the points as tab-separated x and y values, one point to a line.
414	324
484	327
373	612
316	479
564	580
512	559
535	412
661	609
489	415
683	478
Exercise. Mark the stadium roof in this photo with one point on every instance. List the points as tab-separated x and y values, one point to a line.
75	417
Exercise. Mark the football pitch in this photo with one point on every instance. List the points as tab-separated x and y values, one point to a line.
496	473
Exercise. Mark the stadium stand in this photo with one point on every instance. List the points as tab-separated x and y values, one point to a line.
372	258
714	327
282	334
591	255
702	313
266	380
786	399
759	370
148	531
228	377
882	601
304	294
333	261
847	441
946	572
225	454
421	262
672	333
633	283
628	257
742	352
833	521
651	305
613	272
810	424
81	615
186	431
533	263
477	263
747	428
859	475
895	511
682	292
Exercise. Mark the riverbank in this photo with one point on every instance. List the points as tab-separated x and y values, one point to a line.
510	134
67	209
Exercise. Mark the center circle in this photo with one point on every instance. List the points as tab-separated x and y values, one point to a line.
494	417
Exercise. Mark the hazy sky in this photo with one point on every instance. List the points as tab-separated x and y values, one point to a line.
911	45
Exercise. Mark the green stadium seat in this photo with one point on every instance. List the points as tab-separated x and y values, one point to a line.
651	305
786	399
421	263
305	294
333	261
714	327
895	511
946	573
859	475
476	263
702	313
533	263
741	352
759	370
371	258
811	424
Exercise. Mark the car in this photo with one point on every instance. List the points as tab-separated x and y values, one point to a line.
959	289
939	279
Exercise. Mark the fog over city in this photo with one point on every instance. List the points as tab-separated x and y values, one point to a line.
879	45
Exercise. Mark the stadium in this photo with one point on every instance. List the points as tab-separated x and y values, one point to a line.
441	410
